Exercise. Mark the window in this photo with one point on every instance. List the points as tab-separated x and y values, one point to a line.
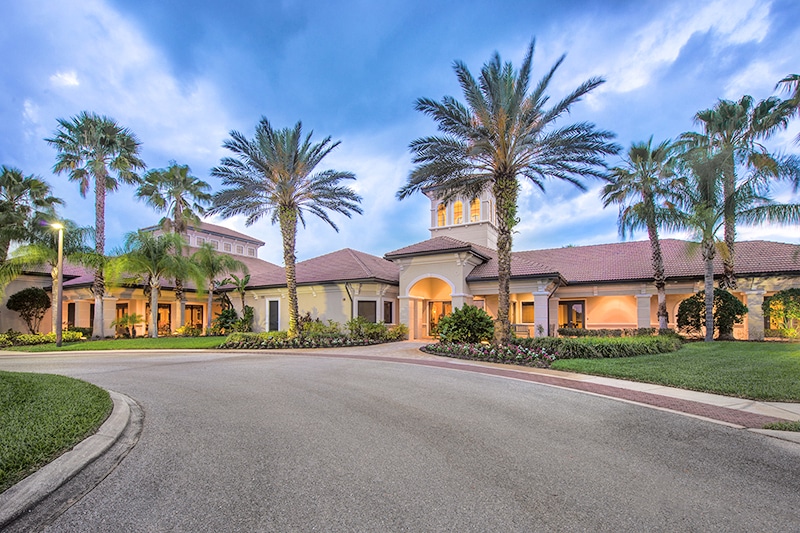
193	316
572	314
527	313
240	249
200	241
71	314
474	210
458	213
480	304
273	315
440	215
387	313
368	310
226	246
214	245
251	252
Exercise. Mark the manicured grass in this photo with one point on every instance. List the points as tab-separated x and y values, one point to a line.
767	371
42	416
141	343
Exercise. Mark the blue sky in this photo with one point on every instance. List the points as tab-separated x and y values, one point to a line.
182	75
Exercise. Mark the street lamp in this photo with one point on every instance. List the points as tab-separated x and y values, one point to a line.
60	289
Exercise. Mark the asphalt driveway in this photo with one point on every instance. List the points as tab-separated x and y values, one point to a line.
270	442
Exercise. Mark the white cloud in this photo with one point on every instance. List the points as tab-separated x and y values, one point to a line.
65	79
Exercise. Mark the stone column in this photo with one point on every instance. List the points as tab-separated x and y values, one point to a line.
643	310
541	313
109	315
755	315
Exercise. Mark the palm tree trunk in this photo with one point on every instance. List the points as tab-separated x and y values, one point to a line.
54	278
728	280
708	256
505	191
100	247
181	298
287	218
153	311
659	277
210	304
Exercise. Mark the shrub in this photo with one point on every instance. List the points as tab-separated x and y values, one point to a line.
29	339
783	308
511	354
317	329
629	332
188	331
467	324
605	347
728	310
5	341
224	323
31	304
360	328
85	332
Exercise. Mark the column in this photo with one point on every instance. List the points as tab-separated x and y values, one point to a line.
552	326
541	313
643	310
755	314
109	315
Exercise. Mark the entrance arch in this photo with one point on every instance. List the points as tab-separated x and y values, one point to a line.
432	298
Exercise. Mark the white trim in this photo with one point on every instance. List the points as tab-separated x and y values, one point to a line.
267	315
430	275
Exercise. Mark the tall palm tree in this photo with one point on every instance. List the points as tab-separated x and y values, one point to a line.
24	200
213	267
501	135
791	106
734	131
94	148
183	198
42	249
641	187
149	258
702	206
275	174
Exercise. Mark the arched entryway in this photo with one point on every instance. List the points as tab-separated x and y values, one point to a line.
430	299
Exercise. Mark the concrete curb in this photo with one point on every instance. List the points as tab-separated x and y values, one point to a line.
32	490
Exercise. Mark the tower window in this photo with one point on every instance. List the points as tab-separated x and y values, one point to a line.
458	213
474	210
440	215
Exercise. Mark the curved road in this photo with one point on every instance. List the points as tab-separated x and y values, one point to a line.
277	442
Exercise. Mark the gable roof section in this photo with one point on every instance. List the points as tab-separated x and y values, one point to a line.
339	266
440	245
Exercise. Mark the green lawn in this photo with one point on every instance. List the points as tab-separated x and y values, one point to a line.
767	371
41	416
141	343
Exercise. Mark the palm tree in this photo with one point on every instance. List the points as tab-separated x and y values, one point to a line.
501	135
213	267
791	106
239	285
733	130
149	258
274	174
183	197
95	148
702	206
42	249
640	187
24	201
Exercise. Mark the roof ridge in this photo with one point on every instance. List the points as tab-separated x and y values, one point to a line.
355	255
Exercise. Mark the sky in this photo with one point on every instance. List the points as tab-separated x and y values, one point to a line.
182	75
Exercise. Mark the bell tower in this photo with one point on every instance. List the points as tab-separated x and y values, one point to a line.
466	219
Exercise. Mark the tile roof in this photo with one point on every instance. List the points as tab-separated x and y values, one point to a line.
439	245
342	265
628	261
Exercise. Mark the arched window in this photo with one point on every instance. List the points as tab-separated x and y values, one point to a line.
458	213
440	215
474	210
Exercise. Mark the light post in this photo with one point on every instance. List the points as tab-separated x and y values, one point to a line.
60	274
